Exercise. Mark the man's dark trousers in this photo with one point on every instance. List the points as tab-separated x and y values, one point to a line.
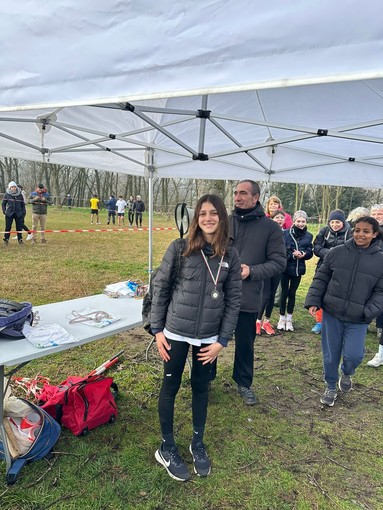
244	349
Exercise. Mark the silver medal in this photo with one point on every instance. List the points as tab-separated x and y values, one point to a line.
214	294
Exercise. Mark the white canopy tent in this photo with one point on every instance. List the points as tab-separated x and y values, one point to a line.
221	89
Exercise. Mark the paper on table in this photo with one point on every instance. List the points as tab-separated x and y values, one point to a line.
49	335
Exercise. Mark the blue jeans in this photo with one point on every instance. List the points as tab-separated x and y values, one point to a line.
341	338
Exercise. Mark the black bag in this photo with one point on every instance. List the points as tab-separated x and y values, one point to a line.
147	301
13	315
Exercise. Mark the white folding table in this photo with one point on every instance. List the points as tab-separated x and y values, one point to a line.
20	352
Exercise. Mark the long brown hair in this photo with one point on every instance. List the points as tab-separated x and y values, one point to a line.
196	241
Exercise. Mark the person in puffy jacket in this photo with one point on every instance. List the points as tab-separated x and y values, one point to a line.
336	232
349	288
195	303
13	207
299	248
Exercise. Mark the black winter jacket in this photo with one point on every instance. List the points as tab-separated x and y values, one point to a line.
13	204
304	244
260	245
349	283
328	238
190	310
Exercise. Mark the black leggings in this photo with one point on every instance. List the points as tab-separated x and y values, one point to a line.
270	298
200	377
289	285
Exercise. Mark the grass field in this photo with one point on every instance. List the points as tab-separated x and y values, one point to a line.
288	452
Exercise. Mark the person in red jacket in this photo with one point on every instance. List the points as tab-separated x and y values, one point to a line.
273	204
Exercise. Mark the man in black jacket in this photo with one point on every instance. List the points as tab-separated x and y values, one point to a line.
259	242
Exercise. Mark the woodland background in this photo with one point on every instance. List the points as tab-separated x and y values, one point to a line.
82	183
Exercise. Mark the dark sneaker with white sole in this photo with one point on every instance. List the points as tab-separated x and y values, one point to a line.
173	463
248	395
202	464
345	383
328	398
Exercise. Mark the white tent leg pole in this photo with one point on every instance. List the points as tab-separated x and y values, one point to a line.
150	161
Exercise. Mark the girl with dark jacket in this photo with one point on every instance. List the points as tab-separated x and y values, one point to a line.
197	307
349	288
13	207
335	233
299	248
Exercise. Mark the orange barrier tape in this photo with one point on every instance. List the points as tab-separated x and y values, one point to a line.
76	230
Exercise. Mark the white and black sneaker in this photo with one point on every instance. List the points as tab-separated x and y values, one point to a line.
329	396
173	463
202	464
345	383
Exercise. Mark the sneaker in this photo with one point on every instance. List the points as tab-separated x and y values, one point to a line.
44	241
29	237
317	329
20	241
173	463
328	398
202	464
248	395
33	240
289	326
5	242
379	332
15	237
376	361
345	383
267	327
258	325
281	323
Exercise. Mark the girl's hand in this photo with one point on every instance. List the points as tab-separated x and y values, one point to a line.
209	353
163	346
313	310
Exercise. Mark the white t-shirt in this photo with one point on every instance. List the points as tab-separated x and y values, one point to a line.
121	204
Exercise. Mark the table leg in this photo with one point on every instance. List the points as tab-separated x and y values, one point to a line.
3	436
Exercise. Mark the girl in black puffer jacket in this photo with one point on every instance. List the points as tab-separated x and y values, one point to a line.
349	288
196	301
299	248
335	233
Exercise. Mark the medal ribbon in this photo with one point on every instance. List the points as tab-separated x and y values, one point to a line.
215	280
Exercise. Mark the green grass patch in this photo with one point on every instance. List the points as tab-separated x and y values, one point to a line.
285	453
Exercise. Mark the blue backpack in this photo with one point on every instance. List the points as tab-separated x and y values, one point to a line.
13	315
41	447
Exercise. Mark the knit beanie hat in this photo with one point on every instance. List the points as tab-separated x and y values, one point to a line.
12	183
337	214
300	214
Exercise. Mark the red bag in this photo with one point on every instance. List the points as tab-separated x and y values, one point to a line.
81	404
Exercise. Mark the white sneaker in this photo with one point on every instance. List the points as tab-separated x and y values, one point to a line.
289	326
281	323
29	237
14	237
376	361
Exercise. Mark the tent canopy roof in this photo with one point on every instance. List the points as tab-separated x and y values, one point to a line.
290	92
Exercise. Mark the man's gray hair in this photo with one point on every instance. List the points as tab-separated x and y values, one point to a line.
255	189
376	207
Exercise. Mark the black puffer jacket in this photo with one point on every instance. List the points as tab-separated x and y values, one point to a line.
190	310
301	240
327	238
259	242
349	283
13	204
